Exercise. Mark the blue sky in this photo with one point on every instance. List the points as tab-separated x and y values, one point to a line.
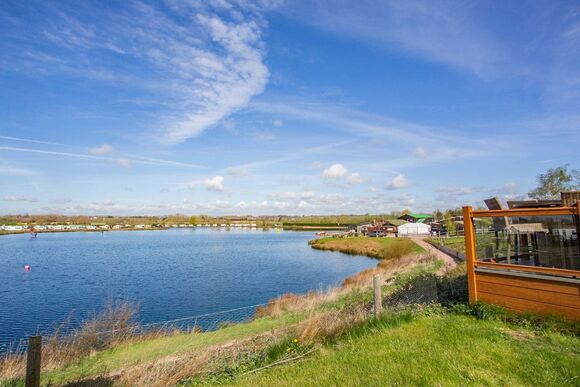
273	107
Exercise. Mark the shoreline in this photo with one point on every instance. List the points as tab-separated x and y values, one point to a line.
70	231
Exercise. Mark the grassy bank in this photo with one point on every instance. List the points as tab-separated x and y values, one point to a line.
437	349
151	358
291	227
330	338
380	248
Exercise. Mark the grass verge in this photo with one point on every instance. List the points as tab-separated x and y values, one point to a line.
434	347
380	248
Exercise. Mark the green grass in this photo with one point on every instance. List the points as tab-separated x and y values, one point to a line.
485	244
147	350
130	354
454	243
380	248
440	349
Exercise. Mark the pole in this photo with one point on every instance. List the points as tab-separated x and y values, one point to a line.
470	253
377	296
33	361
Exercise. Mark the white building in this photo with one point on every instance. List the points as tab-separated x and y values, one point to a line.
414	229
13	228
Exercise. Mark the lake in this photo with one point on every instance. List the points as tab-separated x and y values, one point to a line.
171	273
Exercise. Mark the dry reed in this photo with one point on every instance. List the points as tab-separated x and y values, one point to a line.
104	330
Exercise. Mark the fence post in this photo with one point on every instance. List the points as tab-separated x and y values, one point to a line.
470	253
33	361
377	296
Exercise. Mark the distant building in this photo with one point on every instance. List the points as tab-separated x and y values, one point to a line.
418	228
377	228
417	218
13	228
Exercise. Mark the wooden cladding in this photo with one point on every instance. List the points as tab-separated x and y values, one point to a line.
521	288
552	211
521	294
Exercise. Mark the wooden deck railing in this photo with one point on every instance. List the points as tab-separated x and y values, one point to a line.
505	268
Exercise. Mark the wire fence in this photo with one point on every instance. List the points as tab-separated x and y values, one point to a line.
393	295
119	328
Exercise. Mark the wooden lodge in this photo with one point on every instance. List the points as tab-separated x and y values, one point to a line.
529	260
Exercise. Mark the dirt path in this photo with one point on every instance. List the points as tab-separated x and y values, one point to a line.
449	262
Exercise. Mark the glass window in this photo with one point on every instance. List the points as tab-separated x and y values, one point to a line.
546	241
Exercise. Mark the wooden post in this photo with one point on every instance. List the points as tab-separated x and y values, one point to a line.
33	361
470	253
377	296
577	221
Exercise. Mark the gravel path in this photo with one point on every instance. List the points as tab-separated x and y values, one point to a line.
449	262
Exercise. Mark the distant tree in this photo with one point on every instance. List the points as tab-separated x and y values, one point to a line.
193	220
554	181
449	222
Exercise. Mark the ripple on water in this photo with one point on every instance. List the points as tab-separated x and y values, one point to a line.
170	274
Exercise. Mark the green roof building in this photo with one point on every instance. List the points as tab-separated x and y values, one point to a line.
417	218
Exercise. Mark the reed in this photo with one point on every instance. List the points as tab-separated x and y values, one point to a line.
112	326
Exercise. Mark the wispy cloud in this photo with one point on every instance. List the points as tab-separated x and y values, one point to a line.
203	61
8	170
263	135
237	171
28	140
101	150
354	121
124	163
26	199
297	155
443	32
218	82
144	161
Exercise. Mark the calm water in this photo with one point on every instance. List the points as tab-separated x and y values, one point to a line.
171	274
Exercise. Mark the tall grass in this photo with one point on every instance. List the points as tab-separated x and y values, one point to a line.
398	250
112	326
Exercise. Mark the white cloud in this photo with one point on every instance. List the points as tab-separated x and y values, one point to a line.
335	172
216	79
124	163
20	199
215	183
204	62
101	150
278	123
354	179
398	182
420	152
